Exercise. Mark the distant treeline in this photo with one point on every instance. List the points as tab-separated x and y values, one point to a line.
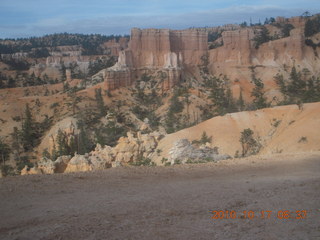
89	42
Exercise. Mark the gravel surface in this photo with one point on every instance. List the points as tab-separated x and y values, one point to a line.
168	202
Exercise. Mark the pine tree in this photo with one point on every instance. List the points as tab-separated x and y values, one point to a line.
28	130
241	103
258	93
73	145
84	145
4	151
16	142
62	142
262	37
100	102
205	139
297	86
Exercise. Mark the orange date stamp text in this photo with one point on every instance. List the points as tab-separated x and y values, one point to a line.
265	214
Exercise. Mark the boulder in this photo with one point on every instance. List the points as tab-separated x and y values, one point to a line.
79	163
61	164
183	151
46	166
30	171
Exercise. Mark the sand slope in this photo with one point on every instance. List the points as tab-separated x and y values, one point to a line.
279	129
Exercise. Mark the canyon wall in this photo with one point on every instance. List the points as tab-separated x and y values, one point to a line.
238	58
175	52
157	50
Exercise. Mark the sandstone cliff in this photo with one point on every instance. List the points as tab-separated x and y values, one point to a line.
168	51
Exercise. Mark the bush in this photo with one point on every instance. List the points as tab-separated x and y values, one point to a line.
142	161
249	144
204	139
7	170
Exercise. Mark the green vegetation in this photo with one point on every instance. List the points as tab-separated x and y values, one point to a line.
100	103
259	100
16	64
172	121
220	94
148	100
261	37
303	140
99	64
4	151
269	20
109	134
299	87
285	30
249	144
212	36
89	43
23	79
142	161
275	122
29	130
312	26
203	140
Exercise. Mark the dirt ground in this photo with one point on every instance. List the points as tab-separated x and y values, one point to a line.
167	202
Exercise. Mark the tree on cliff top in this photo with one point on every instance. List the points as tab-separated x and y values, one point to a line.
312	26
261	37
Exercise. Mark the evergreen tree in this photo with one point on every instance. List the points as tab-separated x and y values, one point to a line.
312	26
11	83
100	102
221	95
62	142
262	37
257	93
4	151
84	144
73	101
16	147
175	105
286	30
297	86
241	103
29	135
205	139
73	145
63	72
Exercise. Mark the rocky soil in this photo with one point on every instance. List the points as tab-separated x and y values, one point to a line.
166	202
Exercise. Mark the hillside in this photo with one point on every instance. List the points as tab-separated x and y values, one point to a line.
285	129
106	101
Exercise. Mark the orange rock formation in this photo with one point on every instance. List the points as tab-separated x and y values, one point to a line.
154	50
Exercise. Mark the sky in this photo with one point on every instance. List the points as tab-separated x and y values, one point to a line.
25	18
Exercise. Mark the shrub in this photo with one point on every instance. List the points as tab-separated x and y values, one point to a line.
142	161
249	144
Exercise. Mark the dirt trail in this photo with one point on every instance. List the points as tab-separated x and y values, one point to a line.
167	202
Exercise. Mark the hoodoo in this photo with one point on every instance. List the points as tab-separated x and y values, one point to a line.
157	50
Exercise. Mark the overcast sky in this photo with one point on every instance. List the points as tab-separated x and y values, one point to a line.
25	18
